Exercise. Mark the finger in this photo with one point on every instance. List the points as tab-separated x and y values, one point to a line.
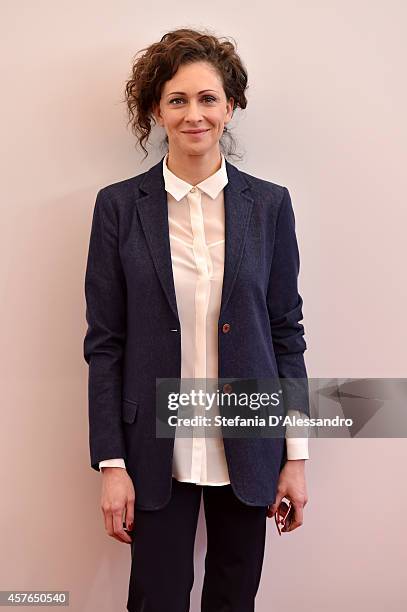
118	530
271	510
105	520
297	519
277	502
109	523
130	515
107	515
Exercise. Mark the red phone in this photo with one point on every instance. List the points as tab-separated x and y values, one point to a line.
284	514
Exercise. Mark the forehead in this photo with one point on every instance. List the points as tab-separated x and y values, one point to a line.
192	77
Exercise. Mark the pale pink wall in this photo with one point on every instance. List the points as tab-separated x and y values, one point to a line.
326	118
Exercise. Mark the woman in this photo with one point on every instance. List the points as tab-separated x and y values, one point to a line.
192	273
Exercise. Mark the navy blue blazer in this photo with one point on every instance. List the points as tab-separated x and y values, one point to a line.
131	312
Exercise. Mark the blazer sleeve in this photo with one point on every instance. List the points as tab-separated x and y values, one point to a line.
285	310
103	346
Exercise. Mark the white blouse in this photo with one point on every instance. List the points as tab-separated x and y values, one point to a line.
196	220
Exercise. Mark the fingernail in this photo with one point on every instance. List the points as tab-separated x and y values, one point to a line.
130	526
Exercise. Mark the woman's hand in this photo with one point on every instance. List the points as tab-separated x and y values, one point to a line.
292	485
118	495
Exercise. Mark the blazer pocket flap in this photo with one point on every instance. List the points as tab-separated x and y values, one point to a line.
129	410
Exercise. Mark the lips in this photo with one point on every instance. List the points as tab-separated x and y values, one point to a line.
195	131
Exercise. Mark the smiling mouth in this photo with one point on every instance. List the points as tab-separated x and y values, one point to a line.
196	133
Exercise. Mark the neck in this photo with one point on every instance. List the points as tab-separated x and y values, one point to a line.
194	168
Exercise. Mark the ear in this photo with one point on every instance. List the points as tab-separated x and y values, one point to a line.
157	114
229	107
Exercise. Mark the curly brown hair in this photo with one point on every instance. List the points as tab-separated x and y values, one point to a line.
157	63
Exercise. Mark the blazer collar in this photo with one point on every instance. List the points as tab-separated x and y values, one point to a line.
153	211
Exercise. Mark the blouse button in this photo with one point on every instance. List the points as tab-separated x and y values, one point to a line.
193	189
225	328
227	388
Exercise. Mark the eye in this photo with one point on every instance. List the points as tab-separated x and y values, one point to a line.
206	98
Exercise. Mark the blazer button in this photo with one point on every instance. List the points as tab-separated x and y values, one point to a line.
227	388
225	328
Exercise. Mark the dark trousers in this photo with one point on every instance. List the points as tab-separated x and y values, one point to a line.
162	551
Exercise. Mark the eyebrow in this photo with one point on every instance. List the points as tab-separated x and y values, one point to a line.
182	93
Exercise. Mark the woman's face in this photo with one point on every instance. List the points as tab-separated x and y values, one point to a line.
194	99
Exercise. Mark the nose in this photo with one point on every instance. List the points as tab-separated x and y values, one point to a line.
192	112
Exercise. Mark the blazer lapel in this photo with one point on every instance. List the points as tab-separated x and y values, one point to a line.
238	210
153	211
